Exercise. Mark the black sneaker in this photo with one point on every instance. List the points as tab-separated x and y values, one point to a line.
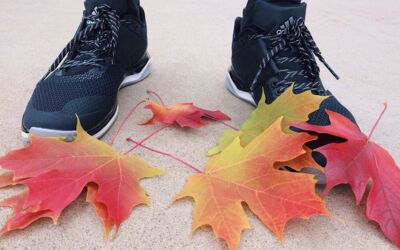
272	49
107	53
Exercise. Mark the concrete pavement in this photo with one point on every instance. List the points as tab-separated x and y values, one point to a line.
190	46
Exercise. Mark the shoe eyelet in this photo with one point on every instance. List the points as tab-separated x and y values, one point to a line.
279	32
273	82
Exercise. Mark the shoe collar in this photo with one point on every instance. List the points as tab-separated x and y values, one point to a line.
267	15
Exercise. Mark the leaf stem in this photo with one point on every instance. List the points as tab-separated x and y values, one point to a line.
150	92
378	121
147	137
229	126
166	154
114	137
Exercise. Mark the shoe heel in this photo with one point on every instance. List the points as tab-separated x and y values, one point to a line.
137	77
242	95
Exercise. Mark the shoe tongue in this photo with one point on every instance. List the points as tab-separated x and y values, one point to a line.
121	6
266	15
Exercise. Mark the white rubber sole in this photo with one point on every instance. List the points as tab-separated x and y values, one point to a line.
243	95
70	134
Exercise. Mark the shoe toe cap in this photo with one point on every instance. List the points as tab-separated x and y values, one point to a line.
320	117
94	113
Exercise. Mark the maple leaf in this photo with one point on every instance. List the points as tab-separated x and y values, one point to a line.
293	107
22	219
55	173
101	209
357	161
182	114
227	138
6	179
303	161
247	174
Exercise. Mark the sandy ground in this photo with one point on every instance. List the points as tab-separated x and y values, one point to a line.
190	45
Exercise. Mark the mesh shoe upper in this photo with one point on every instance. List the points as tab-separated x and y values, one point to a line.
85	78
53	93
273	39
58	99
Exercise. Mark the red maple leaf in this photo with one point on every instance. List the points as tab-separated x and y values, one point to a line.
182	114
55	173
357	162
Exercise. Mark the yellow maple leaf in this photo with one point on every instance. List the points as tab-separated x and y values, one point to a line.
247	174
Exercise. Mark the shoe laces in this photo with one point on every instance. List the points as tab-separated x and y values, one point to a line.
98	37
294	35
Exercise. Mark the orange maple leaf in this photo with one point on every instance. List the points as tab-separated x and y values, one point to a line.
182	114
6	179
303	161
247	174
55	173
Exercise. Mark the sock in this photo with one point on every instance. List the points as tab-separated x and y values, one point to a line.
268	14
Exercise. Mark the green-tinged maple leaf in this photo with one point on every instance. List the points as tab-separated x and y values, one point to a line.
293	107
55	173
227	138
248	174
